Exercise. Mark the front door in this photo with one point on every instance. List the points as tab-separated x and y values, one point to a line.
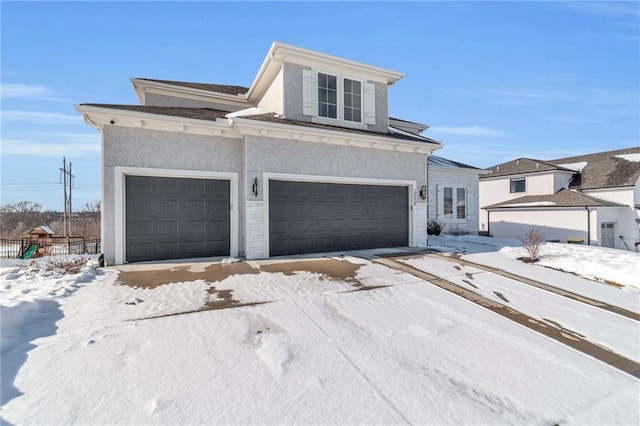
607	235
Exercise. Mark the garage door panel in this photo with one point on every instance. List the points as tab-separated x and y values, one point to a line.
307	217
173	218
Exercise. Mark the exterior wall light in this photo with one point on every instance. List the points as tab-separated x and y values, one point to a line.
423	192
254	187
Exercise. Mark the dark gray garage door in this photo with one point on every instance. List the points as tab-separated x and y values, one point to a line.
176	218
306	217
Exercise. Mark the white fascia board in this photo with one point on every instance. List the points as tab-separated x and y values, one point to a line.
412	135
144	86
99	117
309	134
460	170
279	53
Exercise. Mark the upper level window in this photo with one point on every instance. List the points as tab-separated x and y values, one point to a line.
327	95
330	98
352	100
517	185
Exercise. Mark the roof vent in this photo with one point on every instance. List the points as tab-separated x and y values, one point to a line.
497	168
518	162
537	165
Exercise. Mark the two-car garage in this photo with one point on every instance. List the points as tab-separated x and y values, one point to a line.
312	217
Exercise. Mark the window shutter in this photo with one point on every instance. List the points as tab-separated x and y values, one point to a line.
439	201
309	93
369	103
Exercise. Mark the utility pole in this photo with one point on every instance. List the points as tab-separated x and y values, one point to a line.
67	178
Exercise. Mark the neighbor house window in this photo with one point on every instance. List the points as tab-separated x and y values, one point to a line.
327	95
454	203
517	185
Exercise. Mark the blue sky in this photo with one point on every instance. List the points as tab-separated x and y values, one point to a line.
494	80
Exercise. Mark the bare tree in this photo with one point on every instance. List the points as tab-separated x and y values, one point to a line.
532	243
19	218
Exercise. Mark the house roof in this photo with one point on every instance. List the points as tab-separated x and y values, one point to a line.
434	160
608	169
184	112
209	114
216	88
562	198
44	229
522	166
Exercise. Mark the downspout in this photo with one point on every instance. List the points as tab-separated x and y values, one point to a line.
488	223
426	178
588	225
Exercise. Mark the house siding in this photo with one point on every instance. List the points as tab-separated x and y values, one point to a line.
559	224
155	99
452	177
293	98
130	147
308	160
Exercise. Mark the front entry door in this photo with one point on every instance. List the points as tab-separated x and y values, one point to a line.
607	235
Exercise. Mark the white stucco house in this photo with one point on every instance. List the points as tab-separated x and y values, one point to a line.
305	159
593	199
453	194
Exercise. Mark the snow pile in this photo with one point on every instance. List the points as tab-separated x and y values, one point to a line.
598	263
635	158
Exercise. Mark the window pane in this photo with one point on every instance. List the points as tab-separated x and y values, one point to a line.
356	115
461	202
333	111
333	97
332	82
322	95
348	114
322	110
448	203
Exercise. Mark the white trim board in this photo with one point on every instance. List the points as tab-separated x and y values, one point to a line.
120	204
266	177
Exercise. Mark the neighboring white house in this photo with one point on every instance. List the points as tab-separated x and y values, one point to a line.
592	198
304	160
453	194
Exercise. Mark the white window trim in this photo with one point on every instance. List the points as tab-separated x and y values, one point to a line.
440	197
120	204
366	89
266	177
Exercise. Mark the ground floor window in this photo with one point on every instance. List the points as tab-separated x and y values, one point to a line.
454	203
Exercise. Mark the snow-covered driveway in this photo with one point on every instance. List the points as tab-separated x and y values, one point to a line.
318	352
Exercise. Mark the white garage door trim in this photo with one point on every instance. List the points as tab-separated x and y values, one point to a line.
120	204
266	177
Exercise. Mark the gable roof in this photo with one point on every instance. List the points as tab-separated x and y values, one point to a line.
41	229
522	166
563	198
608	169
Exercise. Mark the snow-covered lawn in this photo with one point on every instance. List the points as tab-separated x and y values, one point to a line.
73	352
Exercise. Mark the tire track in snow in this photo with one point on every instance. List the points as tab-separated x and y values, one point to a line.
574	341
556	290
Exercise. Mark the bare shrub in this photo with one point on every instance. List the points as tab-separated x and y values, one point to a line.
434	227
532	243
59	265
456	230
